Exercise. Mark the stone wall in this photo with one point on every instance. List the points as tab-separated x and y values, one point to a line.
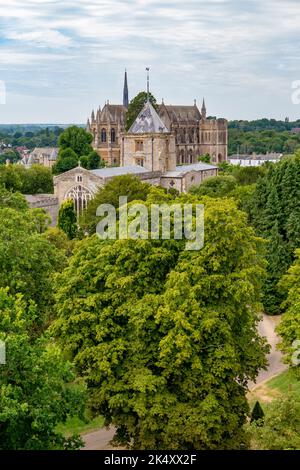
48	202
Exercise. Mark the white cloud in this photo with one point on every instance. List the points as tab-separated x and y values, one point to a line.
206	43
45	38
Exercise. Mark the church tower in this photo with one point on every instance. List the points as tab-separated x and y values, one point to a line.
125	91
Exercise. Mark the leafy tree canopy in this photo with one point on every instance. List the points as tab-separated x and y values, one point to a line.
125	185
34	180
216	186
167	338
67	219
36	391
289	327
77	139
27	260
281	426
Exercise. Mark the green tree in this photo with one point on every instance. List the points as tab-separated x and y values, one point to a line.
59	239
246	175
13	200
12	155
77	139
125	185
275	210
37	388
34	180
257	414
289	328
37	180
167	338
135	107
216	186
92	161
206	158
281	426
27	260
41	218
66	160
67	219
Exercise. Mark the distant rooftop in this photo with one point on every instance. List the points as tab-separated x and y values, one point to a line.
256	156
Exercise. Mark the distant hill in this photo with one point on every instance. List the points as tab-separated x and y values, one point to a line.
263	125
12	128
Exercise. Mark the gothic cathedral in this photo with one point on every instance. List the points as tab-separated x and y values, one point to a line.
193	132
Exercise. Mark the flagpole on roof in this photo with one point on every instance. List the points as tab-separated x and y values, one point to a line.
148	84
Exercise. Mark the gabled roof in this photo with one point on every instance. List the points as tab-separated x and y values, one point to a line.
148	121
181	113
113	113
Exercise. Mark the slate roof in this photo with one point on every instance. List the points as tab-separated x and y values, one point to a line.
119	170
148	121
113	113
181	113
181	170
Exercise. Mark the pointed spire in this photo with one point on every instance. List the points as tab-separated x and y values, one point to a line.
195	102
88	126
203	110
125	91
93	117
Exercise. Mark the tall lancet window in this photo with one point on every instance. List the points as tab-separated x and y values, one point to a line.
113	135
103	135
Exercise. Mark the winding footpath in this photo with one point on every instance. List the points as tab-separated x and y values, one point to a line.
100	439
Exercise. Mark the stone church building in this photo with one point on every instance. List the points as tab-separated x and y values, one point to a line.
160	148
194	133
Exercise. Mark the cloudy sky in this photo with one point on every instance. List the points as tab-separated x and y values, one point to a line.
59	59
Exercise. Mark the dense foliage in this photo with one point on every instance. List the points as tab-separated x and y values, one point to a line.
280	430
265	141
289	328
262	136
67	219
27	260
276	217
30	136
166	338
74	147
34	180
127	185
37	388
34	391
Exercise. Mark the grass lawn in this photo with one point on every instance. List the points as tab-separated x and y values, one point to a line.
284	383
275	388
75	425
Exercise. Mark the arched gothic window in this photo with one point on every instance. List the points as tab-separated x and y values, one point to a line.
81	196
103	135
113	135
